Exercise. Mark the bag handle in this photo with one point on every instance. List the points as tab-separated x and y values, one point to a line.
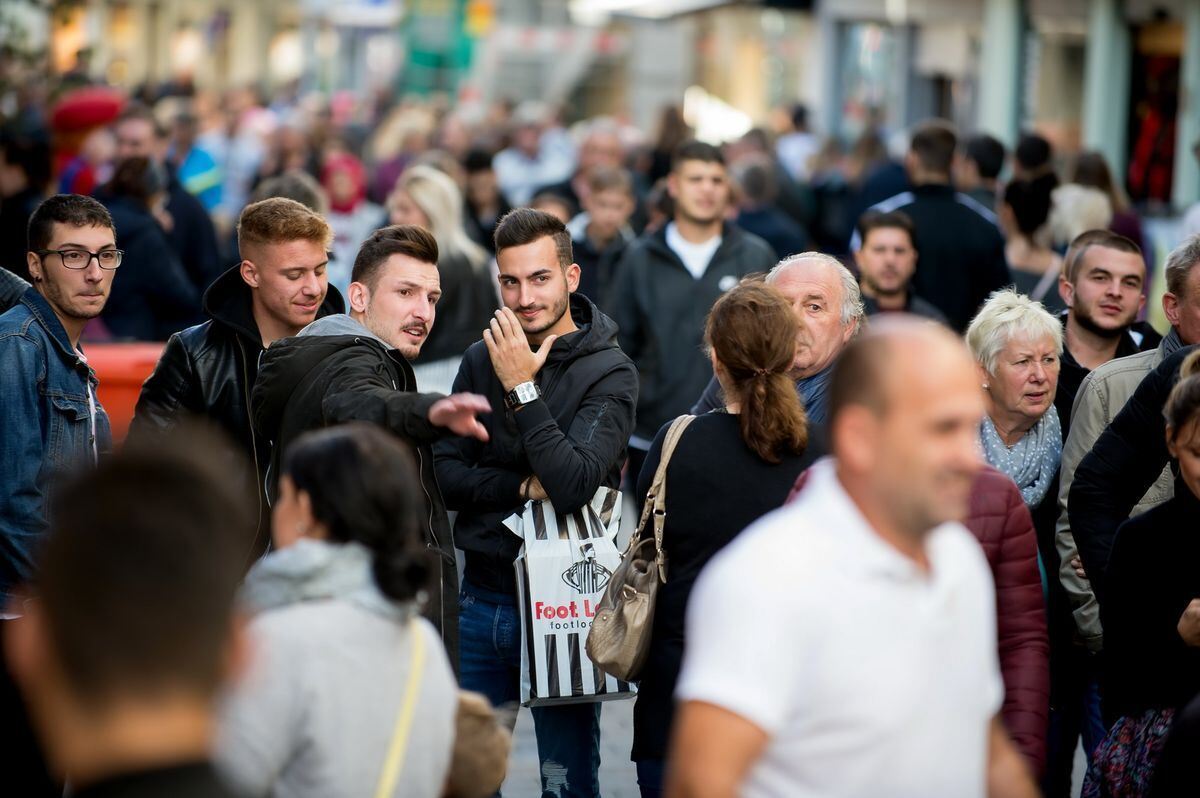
394	762
656	498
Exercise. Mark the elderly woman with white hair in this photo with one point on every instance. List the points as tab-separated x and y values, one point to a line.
1018	345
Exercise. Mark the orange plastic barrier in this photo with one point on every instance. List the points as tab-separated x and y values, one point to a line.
122	368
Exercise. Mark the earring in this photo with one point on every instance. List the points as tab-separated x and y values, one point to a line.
985	386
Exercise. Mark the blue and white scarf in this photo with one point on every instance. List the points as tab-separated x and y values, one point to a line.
1032	461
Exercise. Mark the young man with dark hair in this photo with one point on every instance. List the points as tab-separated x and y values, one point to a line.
355	367
208	370
886	262
192	234
550	359
666	283
977	169
50	418
962	250
1103	283
131	631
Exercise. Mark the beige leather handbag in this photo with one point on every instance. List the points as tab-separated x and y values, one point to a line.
619	639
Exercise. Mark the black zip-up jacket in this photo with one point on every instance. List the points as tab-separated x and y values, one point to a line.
573	439
961	251
1122	465
324	377
660	309
208	371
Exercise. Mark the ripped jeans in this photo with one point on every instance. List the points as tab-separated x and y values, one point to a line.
568	737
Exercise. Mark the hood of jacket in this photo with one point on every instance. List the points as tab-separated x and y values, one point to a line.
228	302
313	570
287	362
596	333
12	288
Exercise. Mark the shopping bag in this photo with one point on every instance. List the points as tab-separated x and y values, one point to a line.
562	570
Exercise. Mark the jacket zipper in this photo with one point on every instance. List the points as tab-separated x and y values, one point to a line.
437	544
253	439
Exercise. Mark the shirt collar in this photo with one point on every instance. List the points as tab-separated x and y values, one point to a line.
866	551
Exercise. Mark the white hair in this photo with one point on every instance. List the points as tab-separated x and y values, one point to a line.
852	304
1004	317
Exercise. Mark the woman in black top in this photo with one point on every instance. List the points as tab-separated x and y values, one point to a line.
730	467
1151	614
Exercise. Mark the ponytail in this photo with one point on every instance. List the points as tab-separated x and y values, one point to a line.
752	331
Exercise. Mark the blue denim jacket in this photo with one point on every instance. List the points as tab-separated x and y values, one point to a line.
45	427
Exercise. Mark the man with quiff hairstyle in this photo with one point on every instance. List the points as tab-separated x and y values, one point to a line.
208	370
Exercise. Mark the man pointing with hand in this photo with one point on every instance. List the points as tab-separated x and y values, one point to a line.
563	395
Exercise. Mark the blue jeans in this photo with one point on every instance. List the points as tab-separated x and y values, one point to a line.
568	737
651	775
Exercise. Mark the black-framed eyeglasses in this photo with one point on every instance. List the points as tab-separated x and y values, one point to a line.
81	258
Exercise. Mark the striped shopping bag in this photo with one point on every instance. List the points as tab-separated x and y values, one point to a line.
562	571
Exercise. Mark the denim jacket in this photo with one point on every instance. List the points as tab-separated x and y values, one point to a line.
50	422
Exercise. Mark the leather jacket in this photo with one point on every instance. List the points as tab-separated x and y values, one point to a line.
209	370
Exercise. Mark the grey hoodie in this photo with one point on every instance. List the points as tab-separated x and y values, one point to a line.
315	714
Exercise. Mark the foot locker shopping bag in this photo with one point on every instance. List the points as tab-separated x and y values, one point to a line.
562	571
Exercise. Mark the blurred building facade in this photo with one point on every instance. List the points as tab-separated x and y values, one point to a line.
1118	76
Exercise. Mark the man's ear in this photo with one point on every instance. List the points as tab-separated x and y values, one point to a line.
672	185
1066	290
854	437
34	262
359	296
1170	306
572	273
249	273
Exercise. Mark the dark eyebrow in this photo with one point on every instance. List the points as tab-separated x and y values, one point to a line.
73	245
540	272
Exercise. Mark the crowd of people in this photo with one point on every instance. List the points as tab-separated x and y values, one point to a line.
908	529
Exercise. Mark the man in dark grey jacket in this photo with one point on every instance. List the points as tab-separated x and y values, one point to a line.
355	368
666	283
564	397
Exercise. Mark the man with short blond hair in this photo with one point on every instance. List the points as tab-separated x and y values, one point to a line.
208	370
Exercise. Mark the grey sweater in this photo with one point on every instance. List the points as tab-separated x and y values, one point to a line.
331	660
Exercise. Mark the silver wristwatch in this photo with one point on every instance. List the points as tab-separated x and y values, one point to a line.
523	394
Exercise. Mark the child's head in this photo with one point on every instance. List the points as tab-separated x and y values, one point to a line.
1182	413
609	202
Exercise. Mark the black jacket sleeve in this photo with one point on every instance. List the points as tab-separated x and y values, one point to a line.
359	390
170	391
465	484
623	303
571	464
1122	465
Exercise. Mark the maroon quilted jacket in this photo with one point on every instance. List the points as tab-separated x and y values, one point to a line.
1001	522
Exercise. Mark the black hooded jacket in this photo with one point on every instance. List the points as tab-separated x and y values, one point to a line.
573	439
208	370
661	309
344	373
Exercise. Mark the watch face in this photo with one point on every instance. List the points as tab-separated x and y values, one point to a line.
526	392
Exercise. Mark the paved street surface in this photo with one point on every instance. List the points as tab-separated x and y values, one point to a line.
617	776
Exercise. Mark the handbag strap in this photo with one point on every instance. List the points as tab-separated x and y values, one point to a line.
656	498
394	761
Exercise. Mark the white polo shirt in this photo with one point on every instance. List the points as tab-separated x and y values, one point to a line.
870	676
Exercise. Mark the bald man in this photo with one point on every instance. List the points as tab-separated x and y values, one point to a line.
845	645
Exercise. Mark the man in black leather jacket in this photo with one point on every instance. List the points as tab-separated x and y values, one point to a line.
208	370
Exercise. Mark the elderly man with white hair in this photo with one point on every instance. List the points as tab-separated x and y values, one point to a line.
827	300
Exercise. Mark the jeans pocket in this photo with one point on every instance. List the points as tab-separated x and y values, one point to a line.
70	432
465	600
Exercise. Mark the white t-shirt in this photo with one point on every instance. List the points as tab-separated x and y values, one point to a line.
870	677
695	257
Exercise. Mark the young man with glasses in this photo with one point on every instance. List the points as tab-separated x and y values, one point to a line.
50	420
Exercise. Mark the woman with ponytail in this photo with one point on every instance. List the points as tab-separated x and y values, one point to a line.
730	467
349	691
